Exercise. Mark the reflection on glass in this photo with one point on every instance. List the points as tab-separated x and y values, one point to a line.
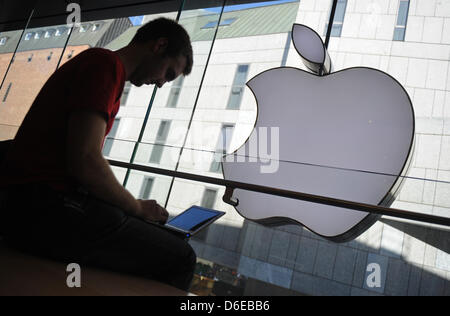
212	279
251	39
174	103
247	43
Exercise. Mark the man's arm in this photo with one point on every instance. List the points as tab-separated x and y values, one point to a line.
86	164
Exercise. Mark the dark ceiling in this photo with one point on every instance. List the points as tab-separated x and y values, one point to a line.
14	14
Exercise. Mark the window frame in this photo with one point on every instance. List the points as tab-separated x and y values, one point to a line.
401	27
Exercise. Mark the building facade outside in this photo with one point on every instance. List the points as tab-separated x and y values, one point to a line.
195	119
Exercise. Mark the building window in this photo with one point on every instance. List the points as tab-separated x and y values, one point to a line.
110	139
161	137
208	201
60	31
210	25
49	33
227	22
3	40
237	89
222	146
125	93
96	27
209	198
175	92
7	92
28	36
38	35
402	18
146	188
84	28
338	20
213	24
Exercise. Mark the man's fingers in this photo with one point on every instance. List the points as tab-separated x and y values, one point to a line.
155	212
163	213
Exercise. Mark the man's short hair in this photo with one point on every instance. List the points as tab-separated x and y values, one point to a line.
179	42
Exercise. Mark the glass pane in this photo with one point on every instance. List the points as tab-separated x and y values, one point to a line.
182	93
258	36
241	50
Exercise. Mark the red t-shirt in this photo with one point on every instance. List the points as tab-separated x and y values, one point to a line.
94	79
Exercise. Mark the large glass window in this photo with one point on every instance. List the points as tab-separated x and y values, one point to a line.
189	124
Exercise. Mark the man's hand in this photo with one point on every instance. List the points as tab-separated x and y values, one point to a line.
152	211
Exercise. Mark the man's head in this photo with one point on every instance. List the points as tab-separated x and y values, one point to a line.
164	52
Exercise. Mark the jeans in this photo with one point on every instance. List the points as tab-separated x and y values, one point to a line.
78	228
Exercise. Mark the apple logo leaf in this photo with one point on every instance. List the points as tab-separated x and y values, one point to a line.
311	49
347	135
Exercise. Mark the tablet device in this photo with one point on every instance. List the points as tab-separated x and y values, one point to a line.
193	220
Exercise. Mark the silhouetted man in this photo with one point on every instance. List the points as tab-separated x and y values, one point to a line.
63	200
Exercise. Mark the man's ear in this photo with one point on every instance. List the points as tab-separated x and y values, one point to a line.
160	45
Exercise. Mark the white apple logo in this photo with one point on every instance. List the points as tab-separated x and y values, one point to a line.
346	135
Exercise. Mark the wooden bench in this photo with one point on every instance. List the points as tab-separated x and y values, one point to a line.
22	274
